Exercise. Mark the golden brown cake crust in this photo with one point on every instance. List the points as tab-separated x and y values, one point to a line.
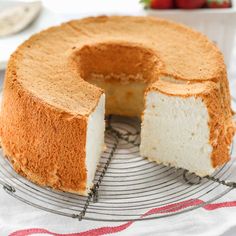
46	101
42	141
221	125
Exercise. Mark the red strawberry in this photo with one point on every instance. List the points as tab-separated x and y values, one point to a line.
158	4
190	4
218	3
162	4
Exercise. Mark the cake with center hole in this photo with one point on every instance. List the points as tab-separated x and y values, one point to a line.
61	82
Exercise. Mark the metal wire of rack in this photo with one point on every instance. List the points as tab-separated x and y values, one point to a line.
126	185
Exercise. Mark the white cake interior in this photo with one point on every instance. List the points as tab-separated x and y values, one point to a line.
175	132
95	140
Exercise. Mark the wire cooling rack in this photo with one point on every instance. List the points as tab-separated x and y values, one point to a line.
126	187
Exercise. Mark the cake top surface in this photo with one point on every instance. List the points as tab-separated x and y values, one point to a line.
53	63
182	89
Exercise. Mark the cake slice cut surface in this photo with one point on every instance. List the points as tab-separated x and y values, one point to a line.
177	126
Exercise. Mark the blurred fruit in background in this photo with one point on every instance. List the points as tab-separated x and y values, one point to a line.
190	4
218	3
185	4
158	4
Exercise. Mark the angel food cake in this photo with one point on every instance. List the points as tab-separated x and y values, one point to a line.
62	81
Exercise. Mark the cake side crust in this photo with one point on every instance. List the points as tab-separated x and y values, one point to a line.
221	124
44	144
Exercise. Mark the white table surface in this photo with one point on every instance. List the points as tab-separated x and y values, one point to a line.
57	11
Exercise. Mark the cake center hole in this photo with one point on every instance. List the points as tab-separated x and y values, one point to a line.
123	70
